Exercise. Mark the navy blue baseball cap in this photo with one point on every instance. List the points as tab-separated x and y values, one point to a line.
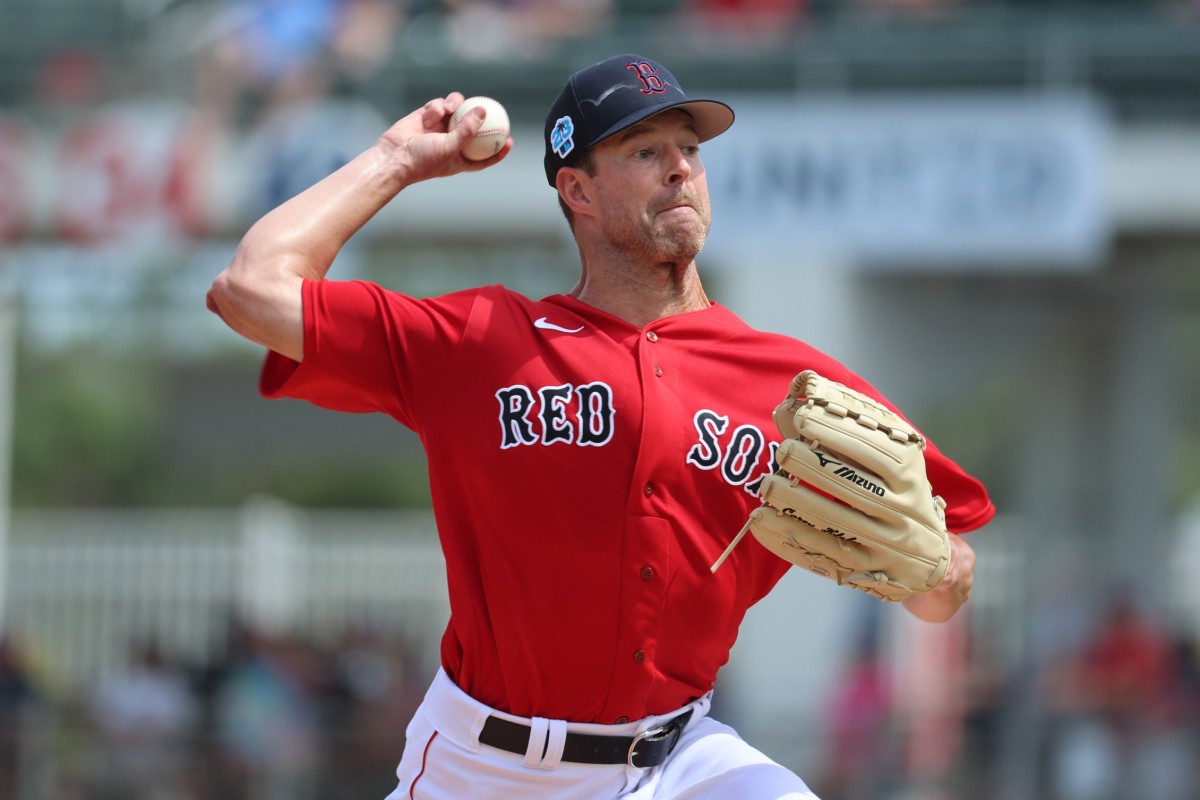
614	94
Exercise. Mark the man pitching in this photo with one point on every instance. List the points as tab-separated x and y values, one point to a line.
591	454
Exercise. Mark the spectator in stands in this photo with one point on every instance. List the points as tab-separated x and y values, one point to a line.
742	24
376	683
260	55
486	30
267	723
19	697
364	39
861	729
1118	705
1126	671
991	695
144	717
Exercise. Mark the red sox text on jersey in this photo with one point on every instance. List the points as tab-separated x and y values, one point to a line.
585	416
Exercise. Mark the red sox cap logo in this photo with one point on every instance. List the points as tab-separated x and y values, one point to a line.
647	73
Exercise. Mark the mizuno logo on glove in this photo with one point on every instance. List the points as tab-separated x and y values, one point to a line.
855	478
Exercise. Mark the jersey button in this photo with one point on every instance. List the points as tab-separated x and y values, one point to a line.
621	720
649	490
647	573
652	336
658	370
639	656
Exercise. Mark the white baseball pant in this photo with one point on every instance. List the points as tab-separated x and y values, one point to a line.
444	760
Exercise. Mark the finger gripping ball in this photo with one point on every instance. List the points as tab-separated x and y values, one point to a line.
492	134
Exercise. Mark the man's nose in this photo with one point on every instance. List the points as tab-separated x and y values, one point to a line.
681	167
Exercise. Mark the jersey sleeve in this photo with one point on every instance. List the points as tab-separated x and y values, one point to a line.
968	505
368	349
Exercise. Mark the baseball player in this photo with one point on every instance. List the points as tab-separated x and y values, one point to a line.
591	454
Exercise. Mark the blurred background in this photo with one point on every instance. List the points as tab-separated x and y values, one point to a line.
991	209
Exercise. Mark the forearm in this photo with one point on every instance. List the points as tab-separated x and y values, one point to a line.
303	236
944	600
936	605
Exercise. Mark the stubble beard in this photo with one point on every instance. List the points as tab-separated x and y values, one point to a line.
663	241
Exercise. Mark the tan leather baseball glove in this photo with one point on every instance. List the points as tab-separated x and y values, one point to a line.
851	501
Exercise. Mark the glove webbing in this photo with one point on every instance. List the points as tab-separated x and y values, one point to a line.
866	421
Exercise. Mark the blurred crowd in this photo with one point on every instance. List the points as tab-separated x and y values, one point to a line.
266	53
1124	711
1115	716
270	717
1111	713
273	53
283	48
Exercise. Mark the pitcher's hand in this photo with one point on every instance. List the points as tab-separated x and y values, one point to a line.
421	145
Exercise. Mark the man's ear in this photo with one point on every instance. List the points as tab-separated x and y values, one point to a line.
574	189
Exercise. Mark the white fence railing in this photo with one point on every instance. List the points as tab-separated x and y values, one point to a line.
85	585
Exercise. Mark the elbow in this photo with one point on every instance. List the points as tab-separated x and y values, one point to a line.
232	301
214	298
221	298
264	308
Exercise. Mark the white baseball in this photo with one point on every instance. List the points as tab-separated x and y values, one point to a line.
492	134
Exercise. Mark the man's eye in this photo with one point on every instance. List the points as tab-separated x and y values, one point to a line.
691	149
642	154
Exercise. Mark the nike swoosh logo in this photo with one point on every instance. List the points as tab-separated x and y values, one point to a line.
541	322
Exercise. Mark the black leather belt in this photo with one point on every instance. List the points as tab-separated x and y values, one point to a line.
647	749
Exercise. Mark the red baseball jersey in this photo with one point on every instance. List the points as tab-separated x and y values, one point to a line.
585	474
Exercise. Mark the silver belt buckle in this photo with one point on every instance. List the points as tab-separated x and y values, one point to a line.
650	734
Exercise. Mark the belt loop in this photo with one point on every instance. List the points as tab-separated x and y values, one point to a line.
538	730
476	729
556	741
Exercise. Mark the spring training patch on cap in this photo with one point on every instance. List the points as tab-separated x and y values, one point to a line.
561	141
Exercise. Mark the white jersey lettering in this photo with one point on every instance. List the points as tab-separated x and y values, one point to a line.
738	456
547	415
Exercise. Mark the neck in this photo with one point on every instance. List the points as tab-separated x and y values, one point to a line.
641	294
